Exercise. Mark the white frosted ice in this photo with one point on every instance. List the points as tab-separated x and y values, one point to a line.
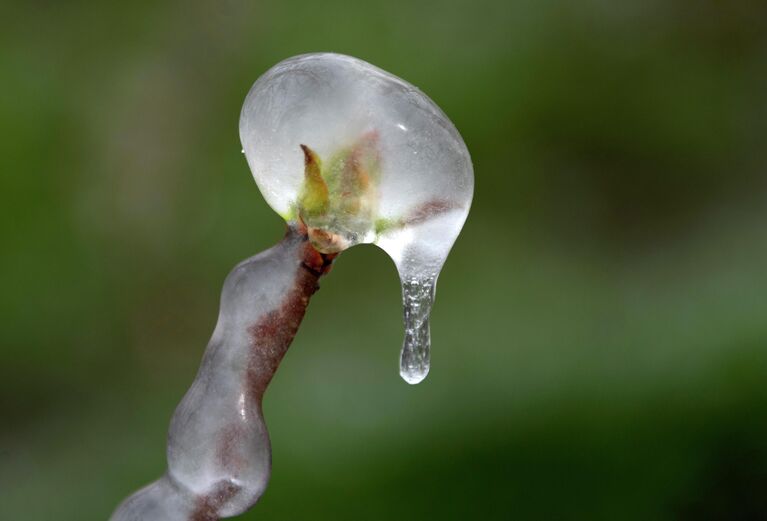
418	174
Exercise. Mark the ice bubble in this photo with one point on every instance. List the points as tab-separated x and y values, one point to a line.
359	155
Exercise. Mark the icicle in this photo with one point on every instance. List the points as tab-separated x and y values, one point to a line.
417	300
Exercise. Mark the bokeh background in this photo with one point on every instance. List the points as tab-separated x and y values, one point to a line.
600	333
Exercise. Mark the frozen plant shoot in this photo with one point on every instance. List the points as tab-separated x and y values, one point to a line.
360	156
346	153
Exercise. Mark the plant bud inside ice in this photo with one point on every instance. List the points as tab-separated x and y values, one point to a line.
359	155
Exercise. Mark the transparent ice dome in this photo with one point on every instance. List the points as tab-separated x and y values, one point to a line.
361	121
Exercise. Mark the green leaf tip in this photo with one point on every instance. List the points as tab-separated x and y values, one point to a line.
314	198
338	200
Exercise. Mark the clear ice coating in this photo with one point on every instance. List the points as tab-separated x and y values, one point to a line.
361	156
417	297
347	154
219	454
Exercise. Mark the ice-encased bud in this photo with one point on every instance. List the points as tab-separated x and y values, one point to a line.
361	156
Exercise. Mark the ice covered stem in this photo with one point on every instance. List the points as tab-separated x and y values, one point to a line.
219	455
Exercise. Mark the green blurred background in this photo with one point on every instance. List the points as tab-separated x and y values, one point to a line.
600	334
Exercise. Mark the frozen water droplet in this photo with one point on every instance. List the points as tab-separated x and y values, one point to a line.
362	156
417	299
